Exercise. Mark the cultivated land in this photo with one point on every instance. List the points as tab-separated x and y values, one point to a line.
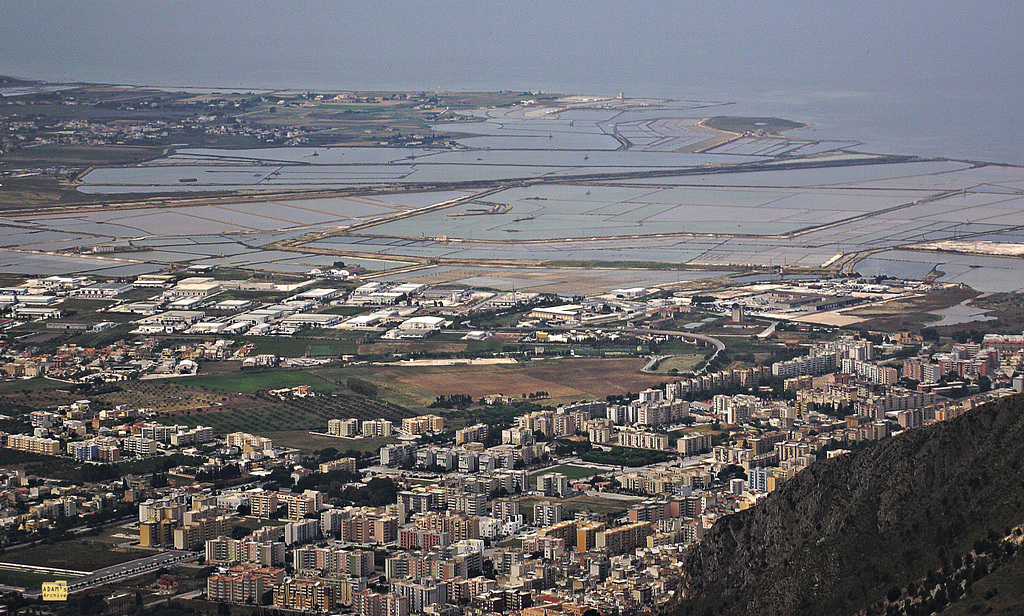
229	400
488	193
307	441
564	379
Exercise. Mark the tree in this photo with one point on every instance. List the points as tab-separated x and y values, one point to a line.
91	604
158	479
362	387
328	453
731	471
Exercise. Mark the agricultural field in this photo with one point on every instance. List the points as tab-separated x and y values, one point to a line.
679	364
168	395
277	415
231	400
304	347
387	348
303	440
564	379
252	382
258	421
227	402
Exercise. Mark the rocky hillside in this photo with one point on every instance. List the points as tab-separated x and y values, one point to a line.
845	533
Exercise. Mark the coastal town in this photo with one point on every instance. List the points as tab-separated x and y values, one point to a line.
508	502
489	309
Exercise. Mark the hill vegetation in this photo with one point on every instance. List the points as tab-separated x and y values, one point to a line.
846	534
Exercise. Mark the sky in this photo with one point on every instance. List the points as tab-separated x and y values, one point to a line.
889	72
836	45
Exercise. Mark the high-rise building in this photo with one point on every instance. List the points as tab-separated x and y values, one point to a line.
547	513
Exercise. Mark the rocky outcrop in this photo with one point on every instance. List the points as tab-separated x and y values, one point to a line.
836	537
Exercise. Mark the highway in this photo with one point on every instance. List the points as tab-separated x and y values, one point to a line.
715	342
132	568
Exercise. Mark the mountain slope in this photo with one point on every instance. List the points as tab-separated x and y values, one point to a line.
839	535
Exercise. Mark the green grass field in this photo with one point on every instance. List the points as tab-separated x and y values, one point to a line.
84	554
259	421
569	470
29	581
247	383
16	385
680	363
305	347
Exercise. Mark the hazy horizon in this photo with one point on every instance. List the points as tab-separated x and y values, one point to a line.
929	78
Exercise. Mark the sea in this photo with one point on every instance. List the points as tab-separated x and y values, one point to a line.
932	78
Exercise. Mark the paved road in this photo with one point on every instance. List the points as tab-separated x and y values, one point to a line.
769	330
649	366
132	568
41	569
715	342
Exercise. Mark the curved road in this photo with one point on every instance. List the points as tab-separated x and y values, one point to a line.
715	342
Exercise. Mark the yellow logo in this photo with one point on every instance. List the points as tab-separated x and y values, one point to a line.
55	591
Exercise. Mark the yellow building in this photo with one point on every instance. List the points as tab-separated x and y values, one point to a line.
563	530
423	423
157	533
304	594
586	535
625	538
